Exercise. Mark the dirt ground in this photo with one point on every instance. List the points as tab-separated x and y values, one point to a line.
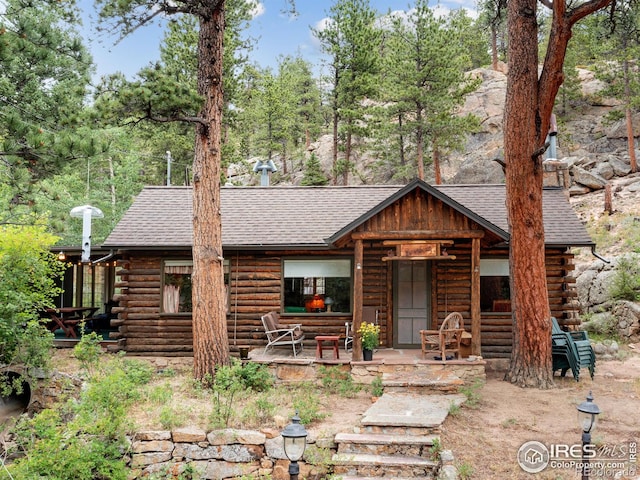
484	437
487	437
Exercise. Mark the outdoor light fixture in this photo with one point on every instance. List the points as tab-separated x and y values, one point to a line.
587	415
62	256
294	436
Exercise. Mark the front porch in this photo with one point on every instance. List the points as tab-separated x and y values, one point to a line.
399	369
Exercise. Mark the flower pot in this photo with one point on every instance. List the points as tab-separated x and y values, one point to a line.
244	352
367	355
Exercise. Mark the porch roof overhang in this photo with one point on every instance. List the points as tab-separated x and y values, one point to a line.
347	230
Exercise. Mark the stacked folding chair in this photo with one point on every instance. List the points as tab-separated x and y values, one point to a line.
586	355
571	350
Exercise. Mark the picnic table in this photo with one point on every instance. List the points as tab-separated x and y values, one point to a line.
67	318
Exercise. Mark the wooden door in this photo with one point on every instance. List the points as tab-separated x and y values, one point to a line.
412	282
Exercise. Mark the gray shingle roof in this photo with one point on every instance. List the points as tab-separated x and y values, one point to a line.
280	217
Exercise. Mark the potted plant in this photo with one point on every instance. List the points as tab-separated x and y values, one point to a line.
369	337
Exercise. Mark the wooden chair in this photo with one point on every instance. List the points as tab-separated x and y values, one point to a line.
348	336
446	339
279	335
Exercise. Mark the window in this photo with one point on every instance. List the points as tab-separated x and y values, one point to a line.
317	286
495	295
176	290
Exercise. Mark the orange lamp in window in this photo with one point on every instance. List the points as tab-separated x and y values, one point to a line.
317	303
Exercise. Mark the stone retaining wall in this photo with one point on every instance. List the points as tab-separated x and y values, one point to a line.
298	370
219	454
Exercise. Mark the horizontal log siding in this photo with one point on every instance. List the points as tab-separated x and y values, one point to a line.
496	327
256	283
254	286
376	287
140	323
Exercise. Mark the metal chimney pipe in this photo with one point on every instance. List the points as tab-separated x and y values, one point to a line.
86	212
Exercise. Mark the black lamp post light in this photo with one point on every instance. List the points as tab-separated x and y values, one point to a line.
587	416
294	436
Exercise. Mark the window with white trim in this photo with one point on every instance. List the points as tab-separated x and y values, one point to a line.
314	285
495	293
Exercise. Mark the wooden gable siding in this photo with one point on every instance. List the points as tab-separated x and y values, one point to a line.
417	211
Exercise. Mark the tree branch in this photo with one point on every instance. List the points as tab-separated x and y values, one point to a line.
540	151
585	9
176	118
552	77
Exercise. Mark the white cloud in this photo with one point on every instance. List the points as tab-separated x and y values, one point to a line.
258	10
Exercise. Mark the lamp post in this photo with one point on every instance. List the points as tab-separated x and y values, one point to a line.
587	416
294	436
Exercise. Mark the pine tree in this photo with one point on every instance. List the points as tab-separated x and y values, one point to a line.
313	174
424	80
352	42
618	67
44	71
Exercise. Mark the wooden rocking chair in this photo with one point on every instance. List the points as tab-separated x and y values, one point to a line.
446	339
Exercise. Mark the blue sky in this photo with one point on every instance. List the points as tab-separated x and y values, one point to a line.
277	35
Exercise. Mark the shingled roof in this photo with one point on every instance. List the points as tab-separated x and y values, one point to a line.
310	217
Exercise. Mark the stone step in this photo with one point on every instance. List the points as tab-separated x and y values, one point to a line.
385	444
400	430
390	466
442	381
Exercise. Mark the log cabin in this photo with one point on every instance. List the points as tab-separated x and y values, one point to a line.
401	256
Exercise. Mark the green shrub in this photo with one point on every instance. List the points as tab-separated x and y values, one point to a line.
376	386
259	411
626	281
231	381
338	381
307	403
160	394
254	376
88	351
435	450
472	393
171	418
83	439
29	273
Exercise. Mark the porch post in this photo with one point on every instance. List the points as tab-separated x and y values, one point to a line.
357	298
475	297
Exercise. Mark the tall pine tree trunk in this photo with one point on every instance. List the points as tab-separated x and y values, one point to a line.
531	354
347	160
437	173
210	339
527	118
419	145
494	48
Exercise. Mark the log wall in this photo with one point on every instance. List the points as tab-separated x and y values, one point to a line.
255	288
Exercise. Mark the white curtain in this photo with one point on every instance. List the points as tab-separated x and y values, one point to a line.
171	293
171	299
